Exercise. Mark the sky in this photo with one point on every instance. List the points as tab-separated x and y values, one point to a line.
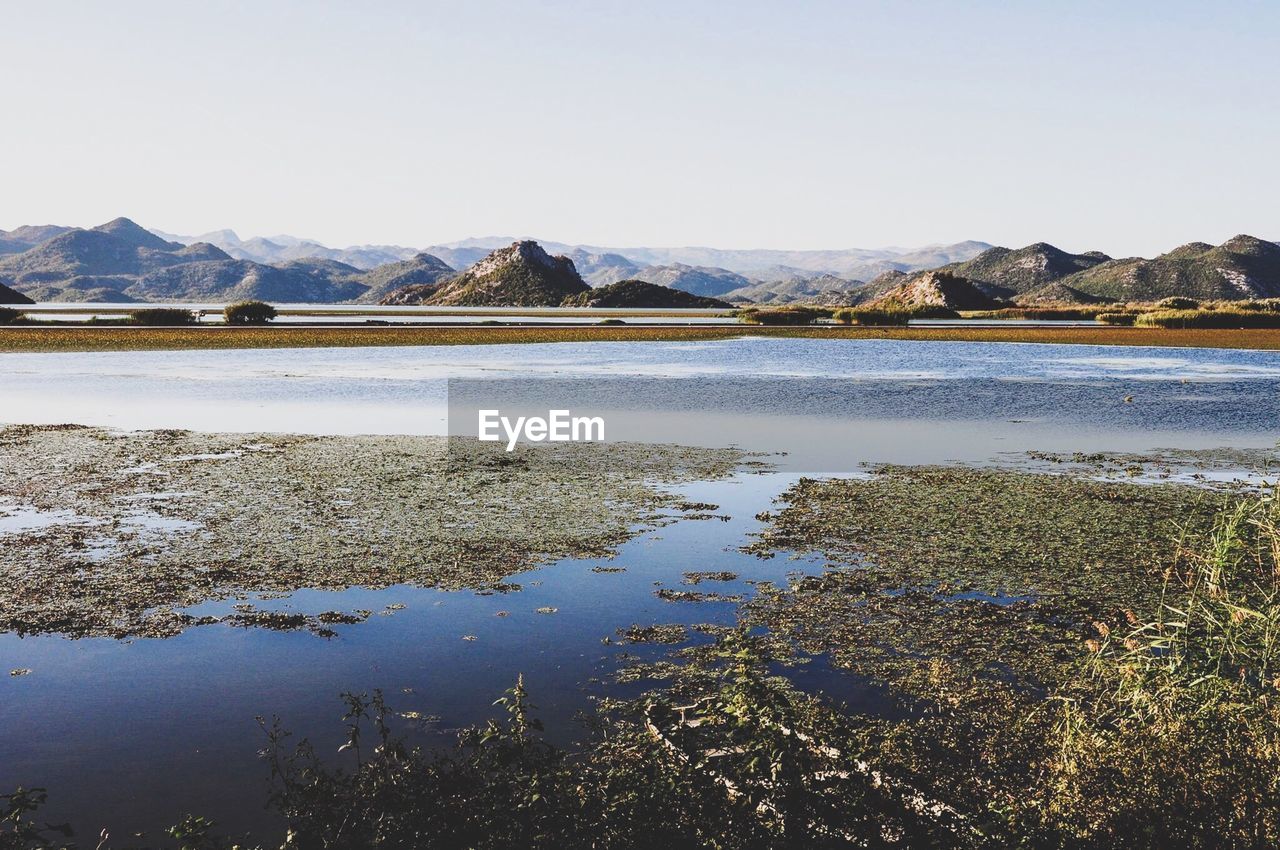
1127	127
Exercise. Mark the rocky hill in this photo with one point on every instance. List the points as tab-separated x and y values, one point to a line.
1056	293
1008	271
823	289
601	269
640	293
939	288
13	296
699	280
1243	267
306	282
422	270
522	275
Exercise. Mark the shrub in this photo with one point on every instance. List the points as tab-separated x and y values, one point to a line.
8	315
1177	302
162	316
248	313
1208	319
872	316
781	315
611	322
1116	318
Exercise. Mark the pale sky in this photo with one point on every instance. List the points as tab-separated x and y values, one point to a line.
1130	127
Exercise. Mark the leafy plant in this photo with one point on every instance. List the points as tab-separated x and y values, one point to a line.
248	313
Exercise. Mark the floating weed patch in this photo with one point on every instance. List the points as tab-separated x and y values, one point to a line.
670	634
258	514
697	577
999	572
666	594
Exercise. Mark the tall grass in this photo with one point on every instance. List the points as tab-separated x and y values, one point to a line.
1202	318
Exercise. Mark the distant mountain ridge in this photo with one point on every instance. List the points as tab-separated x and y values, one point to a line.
122	261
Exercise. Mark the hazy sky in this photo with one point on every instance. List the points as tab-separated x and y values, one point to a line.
1127	127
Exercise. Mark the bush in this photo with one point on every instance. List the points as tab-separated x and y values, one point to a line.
781	315
248	313
1208	319
162	316
611	322
8	315
869	316
1177	302
1116	318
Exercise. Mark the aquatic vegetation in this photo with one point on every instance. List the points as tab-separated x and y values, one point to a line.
1116	318
8	314
1209	318
781	315
111	335
872	316
162	316
248	313
699	576
109	555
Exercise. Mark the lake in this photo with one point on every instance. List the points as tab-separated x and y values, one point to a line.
136	733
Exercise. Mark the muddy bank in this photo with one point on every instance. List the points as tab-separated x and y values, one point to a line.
113	533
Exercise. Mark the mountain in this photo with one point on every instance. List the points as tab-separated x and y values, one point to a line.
602	269
823	289
1243	267
639	293
13	296
28	236
98	252
522	275
852	263
1056	293
699	280
283	249
1013	271
307	282
422	269
939	288
136	236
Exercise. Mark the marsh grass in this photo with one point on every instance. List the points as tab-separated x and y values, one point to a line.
1166	736
782	315
1209	318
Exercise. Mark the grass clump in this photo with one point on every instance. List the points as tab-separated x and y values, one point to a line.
248	313
9	315
782	315
162	317
1122	319
872	317
1232	318
1041	313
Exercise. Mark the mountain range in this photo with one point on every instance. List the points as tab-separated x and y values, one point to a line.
122	261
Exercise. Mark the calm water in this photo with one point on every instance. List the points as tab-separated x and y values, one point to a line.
135	734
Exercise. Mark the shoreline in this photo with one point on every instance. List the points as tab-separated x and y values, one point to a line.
21	339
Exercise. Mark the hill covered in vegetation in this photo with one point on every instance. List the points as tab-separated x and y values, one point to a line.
640	293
